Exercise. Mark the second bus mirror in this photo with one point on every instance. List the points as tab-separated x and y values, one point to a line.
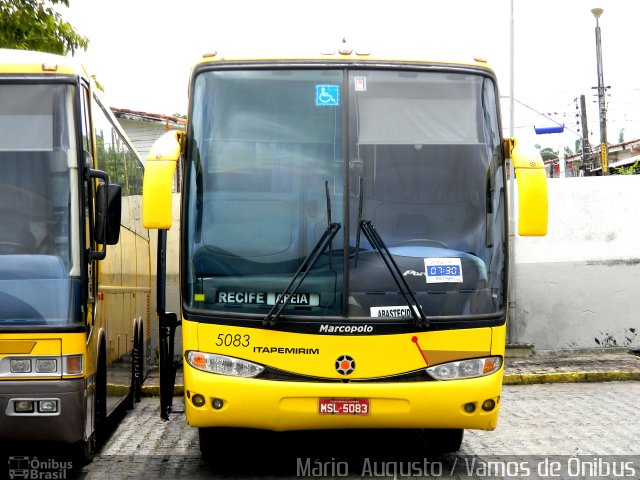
157	185
533	209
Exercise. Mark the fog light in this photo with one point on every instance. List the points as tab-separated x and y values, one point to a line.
488	405
217	403
47	406
23	406
198	400
46	365
20	365
470	407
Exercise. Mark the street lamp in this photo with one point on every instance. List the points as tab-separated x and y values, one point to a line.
601	96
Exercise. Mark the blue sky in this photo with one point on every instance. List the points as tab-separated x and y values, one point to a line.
142	50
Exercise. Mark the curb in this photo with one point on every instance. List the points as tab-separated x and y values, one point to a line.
569	377
154	390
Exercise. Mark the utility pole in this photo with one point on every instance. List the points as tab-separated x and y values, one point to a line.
512	333
601	96
586	148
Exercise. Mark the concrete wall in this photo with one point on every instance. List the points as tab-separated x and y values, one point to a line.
579	287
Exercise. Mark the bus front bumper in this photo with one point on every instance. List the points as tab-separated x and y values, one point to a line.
42	410
280	406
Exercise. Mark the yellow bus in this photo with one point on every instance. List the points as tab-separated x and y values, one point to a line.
75	268
344	244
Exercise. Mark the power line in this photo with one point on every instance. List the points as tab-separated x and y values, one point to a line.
543	115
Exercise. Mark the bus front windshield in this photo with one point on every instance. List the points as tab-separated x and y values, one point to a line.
278	156
39	267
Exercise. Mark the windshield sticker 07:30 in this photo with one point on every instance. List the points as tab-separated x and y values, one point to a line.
443	270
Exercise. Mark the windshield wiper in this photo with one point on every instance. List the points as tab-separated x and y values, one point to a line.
419	318
284	298
318	249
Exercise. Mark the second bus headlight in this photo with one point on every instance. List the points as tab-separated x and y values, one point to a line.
476	367
223	365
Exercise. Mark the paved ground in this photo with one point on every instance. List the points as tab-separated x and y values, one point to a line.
570	425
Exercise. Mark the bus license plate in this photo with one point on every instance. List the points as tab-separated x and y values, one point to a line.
343	406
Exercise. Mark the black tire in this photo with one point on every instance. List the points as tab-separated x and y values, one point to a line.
223	441
135	386
139	366
205	437
442	440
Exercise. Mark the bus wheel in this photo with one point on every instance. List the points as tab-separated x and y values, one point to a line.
138	365
135	391
206	438
442	440
222	441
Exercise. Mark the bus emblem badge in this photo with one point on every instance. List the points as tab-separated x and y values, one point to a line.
345	365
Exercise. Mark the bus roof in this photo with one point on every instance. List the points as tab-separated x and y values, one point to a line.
343	54
30	62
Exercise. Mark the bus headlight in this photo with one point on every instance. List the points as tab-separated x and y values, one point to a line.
223	365
20	365
476	367
46	365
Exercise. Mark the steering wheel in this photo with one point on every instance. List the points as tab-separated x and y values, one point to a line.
422	242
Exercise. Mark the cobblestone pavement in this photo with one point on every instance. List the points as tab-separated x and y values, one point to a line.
595	422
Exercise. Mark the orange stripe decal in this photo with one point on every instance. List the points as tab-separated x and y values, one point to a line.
16	346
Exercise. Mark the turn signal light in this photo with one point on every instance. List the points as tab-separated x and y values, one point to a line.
198	360
72	365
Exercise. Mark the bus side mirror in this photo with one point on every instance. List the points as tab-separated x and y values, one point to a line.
108	213
157	184
108	208
533	202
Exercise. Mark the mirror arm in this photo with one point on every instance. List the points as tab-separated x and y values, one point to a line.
91	174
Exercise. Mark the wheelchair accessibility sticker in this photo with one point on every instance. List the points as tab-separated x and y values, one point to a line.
328	95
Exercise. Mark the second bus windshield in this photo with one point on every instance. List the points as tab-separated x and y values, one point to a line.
276	156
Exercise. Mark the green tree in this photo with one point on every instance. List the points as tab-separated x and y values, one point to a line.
36	25
548	154
628	170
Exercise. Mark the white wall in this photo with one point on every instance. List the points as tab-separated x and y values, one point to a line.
579	287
